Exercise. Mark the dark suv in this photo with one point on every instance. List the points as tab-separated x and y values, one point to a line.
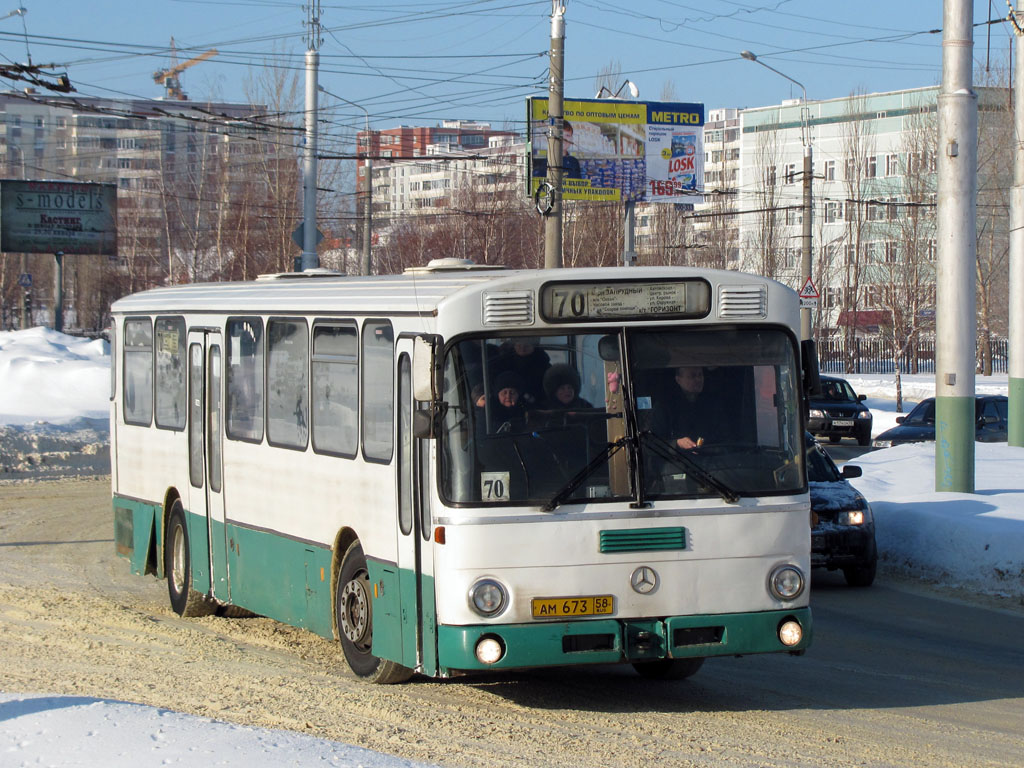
843	528
839	412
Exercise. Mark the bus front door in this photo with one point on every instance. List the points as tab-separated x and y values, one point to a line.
206	501
415	561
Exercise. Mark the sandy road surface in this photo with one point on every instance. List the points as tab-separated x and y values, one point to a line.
895	678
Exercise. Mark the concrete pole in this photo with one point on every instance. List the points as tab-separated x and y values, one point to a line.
955	317
629	235
310	260
805	266
58	291
366	267
1016	391
556	118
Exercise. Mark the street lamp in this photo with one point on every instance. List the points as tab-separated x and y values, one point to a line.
364	261
606	92
805	140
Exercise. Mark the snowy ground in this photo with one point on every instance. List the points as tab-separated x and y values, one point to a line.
54	392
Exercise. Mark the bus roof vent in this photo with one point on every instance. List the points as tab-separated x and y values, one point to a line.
508	308
451	264
742	301
314	272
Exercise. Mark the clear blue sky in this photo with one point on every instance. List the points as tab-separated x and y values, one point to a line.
419	62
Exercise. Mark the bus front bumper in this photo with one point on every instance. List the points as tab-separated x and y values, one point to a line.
610	641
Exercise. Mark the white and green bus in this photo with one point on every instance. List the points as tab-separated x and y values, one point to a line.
337	453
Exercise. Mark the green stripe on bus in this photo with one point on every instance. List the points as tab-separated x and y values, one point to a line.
603	641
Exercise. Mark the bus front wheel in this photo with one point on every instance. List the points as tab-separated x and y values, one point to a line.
353	608
178	566
668	669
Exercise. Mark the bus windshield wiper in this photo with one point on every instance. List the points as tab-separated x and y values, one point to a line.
578	479
666	450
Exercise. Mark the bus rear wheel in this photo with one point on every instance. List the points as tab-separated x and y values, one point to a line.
178	566
668	669
353	611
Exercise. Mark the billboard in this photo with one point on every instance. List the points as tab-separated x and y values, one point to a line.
645	151
52	216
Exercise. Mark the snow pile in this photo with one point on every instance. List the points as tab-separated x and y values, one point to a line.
75	731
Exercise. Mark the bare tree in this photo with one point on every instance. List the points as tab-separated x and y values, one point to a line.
763	248
860	167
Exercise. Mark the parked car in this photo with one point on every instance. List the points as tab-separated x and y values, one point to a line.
918	426
843	528
839	412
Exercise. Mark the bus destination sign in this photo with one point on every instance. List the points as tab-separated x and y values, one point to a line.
582	302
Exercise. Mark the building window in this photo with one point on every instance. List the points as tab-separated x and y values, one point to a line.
892	165
790	173
769	176
871	167
833	211
830	170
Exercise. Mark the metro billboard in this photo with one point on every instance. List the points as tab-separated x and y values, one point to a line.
645	151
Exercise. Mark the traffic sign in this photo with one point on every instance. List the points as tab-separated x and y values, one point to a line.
298	236
25	280
809	291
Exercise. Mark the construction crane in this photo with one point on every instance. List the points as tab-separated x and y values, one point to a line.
169	77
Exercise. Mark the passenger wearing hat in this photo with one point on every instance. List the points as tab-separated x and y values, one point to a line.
562	388
521	355
507	413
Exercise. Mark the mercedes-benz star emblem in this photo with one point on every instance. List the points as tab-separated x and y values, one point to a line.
644	580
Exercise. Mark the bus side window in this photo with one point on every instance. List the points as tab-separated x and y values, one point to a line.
138	371
287	383
244	387
378	390
335	389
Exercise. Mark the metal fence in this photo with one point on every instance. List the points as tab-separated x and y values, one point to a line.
875	356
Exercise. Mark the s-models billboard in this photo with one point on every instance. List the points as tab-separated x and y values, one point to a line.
52	216
647	151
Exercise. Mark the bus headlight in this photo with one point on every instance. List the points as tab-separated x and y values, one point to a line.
791	633
488	597
786	582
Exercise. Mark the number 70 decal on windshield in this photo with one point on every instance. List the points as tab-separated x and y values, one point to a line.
494	486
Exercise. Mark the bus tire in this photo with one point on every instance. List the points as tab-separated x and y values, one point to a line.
178	566
668	669
353	612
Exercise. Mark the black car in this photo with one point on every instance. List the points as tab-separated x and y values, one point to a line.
843	528
918	426
839	412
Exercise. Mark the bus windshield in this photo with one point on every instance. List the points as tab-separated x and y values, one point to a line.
624	414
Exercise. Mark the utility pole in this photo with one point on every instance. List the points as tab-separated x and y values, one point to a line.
1016	388
556	121
310	260
955	317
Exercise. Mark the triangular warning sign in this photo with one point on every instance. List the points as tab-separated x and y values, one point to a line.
809	291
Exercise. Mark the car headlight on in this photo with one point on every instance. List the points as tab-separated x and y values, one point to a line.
864	415
816	414
786	582
488	597
882	444
851	517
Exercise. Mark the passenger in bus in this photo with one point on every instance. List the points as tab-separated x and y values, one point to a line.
507	413
562	388
520	355
688	418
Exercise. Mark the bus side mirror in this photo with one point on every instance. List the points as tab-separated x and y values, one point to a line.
811	374
422	424
423	378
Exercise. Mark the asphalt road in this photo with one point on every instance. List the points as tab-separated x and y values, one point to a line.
898	675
